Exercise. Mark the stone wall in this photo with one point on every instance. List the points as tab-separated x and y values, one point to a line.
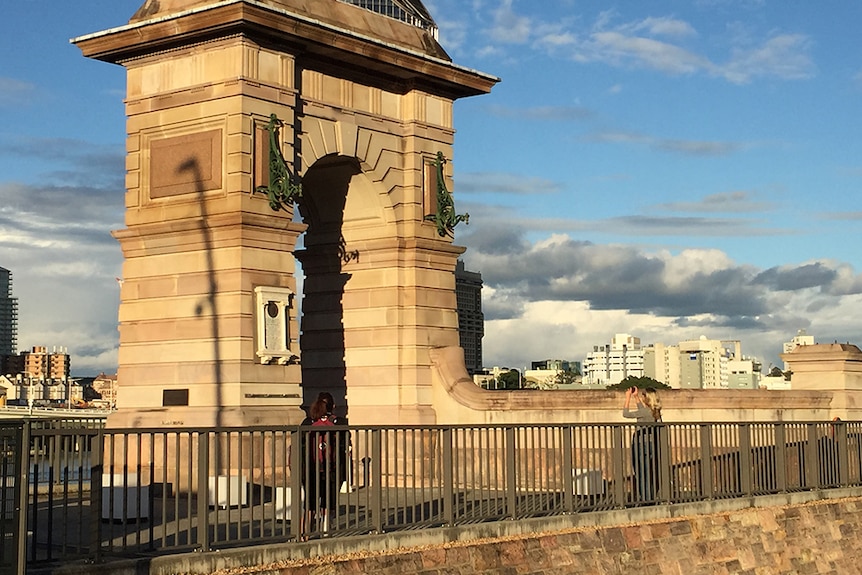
823	537
799	533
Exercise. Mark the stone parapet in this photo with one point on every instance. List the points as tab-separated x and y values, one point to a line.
793	533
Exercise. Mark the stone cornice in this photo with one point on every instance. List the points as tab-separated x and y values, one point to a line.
313	39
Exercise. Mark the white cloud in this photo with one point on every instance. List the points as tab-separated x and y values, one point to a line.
509	27
785	56
15	92
663	43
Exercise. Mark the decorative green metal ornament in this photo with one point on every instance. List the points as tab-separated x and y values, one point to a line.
445	218
284	187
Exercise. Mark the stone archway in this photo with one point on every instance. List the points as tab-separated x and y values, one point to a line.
208	314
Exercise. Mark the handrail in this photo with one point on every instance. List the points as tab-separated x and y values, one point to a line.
156	491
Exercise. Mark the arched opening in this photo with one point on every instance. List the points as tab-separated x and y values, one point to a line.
333	202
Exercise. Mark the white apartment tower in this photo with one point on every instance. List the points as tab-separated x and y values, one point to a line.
612	363
802	338
699	364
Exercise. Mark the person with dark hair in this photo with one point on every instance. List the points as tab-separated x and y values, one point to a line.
324	463
645	443
343	443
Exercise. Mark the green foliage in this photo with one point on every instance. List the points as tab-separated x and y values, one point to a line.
566	377
639	382
776	372
509	380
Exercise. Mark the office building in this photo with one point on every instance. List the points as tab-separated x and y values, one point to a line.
471	320
8	315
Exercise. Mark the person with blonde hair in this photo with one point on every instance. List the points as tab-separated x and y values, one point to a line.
645	442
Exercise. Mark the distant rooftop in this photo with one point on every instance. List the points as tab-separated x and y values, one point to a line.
410	11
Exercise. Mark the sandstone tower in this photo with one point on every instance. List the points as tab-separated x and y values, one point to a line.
230	105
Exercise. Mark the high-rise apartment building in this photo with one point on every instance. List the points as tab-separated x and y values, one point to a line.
701	364
8	315
610	364
802	338
471	320
40	364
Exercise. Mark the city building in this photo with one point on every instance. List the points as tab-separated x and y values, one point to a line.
106	386
40	376
801	338
612	363
744	373
661	363
40	364
8	316
471	320
545	374
702	364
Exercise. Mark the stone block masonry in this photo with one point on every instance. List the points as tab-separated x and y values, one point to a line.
821	537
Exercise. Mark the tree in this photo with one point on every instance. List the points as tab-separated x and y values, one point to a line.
509	380
544	384
642	382
566	377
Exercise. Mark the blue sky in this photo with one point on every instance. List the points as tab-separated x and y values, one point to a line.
668	169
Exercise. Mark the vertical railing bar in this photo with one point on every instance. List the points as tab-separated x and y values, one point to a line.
21	494
511	472
408	482
244	489
420	471
423	447
568	468
617	455
185	444
662	479
376	477
223	440
237	462
138	491
480	492
97	462
65	481
124	488
203	532
745	458
279	454
476	487
707	487
448	473
812	459
839	432
151	493
267	476
389	455
554	482
297	505
82	544
780	457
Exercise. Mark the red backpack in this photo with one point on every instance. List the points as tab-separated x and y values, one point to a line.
324	441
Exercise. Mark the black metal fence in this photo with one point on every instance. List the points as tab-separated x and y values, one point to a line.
77	491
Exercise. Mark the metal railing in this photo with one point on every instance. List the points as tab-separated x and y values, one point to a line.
403	10
94	494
